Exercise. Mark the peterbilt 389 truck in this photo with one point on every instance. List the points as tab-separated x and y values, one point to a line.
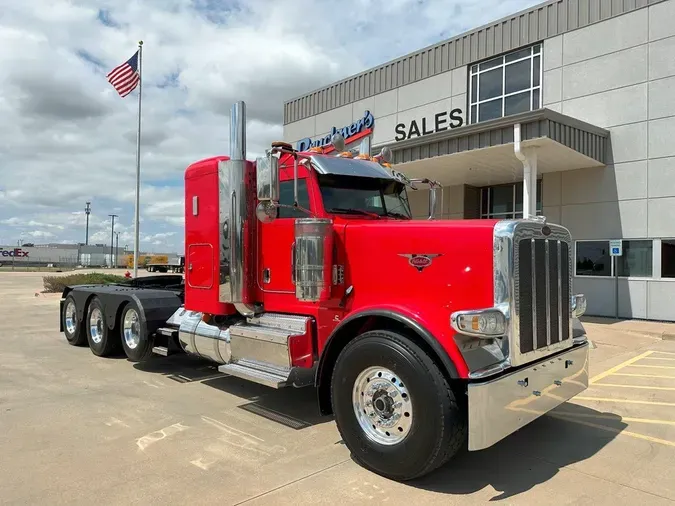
306	269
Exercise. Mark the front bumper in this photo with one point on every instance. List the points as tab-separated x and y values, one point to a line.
503	405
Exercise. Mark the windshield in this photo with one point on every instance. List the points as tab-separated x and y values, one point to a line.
364	195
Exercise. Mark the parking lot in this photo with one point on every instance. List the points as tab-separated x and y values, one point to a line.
77	429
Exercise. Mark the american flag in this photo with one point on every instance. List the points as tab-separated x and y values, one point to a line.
125	77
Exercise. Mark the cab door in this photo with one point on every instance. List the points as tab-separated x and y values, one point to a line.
275	269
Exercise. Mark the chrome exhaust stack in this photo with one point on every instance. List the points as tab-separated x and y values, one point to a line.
237	225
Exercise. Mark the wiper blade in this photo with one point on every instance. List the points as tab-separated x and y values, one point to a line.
345	210
397	215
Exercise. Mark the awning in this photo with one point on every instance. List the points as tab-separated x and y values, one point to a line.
483	154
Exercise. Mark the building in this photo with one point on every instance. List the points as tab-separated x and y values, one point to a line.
71	255
565	109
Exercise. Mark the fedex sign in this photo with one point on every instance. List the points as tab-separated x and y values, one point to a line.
16	253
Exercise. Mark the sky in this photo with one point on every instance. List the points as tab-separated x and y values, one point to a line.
66	136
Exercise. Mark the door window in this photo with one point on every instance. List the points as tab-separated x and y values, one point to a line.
286	199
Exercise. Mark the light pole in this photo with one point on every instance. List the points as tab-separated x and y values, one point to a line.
87	211
112	236
117	246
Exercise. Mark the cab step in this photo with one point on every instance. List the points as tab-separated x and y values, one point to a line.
161	350
257	372
167	332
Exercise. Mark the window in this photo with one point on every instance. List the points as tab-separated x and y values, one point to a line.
286	198
636	259
668	258
506	85
505	201
364	195
593	258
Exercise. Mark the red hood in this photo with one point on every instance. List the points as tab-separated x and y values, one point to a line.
425	269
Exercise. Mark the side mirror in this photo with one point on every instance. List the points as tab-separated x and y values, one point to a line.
432	203
267	176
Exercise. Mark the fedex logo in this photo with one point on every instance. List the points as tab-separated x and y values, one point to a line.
16	252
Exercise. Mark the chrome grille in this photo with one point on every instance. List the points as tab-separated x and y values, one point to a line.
533	286
542	285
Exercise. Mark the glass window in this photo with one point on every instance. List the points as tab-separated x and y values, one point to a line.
286	198
506	85
668	258
360	195
636	259
506	200
490	84
593	258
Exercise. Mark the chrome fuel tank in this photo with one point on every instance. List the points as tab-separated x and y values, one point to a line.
204	340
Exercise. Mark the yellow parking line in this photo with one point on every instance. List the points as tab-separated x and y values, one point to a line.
619	367
653	366
617	418
615	431
664	352
633	386
622	401
643	375
659	358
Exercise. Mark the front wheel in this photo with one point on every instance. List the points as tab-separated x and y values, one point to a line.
394	408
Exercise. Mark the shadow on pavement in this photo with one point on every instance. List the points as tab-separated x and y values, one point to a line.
529	457
525	459
296	408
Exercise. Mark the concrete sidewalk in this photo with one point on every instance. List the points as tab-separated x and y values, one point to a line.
660	330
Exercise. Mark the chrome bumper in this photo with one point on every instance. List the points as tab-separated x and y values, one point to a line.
501	406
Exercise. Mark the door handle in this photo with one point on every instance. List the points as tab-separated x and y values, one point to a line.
266	275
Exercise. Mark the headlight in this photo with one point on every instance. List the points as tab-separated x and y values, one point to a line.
578	305
486	323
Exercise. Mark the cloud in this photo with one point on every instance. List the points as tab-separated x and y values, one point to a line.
67	138
39	234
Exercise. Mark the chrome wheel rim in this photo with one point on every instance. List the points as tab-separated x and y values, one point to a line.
96	325
71	318
382	406
132	329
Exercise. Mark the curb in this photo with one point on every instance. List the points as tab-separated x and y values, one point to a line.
663	335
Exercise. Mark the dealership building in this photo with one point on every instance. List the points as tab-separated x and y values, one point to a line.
566	110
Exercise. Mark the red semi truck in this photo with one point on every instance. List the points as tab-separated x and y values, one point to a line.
421	337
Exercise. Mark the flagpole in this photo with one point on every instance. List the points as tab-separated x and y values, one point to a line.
138	159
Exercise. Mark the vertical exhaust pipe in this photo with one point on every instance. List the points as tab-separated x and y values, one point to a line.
238	131
236	213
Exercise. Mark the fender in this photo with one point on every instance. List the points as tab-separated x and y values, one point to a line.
454	369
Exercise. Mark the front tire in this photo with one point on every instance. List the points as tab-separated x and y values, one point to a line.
134	335
101	342
394	408
71	325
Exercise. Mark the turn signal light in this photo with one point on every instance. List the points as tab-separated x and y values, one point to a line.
487	323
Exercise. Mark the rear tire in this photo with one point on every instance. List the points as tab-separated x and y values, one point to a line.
394	408
101	341
134	334
72	328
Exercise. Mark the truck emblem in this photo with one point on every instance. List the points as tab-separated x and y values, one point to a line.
419	262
